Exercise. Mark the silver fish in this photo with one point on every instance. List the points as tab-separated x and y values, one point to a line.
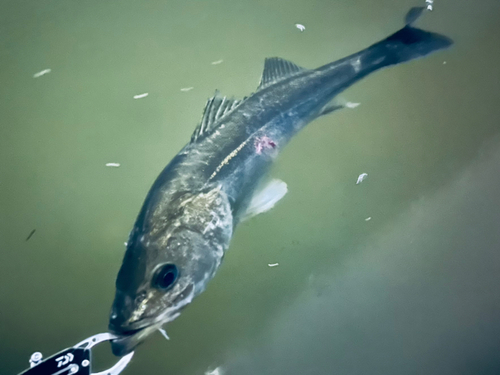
188	218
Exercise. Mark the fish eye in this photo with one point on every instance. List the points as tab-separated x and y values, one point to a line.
166	276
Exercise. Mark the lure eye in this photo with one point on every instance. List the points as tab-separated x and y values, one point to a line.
166	277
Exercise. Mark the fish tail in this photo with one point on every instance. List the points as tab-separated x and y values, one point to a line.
411	43
407	44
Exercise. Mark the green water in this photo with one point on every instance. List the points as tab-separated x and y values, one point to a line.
414	290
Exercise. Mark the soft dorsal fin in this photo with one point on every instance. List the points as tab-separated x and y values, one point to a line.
216	107
276	69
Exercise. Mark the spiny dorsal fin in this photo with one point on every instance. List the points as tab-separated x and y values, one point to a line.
276	69
215	108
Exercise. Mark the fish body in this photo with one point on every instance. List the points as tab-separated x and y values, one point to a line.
189	215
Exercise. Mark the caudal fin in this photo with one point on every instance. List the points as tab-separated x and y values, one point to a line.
411	43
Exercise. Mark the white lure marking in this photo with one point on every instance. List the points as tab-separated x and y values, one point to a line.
368	218
186	89
114	165
273	264
217	62
361	178
300	26
41	73
140	96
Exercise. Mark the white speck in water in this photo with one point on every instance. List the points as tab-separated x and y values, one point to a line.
368	218
273	264
444	62
185	89
361	178
216	371
352	105
125	243
164	333
217	62
140	96
429	7
114	165
41	73
300	26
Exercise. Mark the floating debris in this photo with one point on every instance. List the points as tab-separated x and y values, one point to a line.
361	178
140	96
31	234
187	89
273	264
300	27
114	165
368	218
164	333
42	73
217	62
352	105
216	371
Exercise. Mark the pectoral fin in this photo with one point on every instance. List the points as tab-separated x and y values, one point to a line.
265	199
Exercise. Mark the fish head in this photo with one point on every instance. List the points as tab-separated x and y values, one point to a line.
156	281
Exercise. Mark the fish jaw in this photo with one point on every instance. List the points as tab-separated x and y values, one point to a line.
126	343
131	335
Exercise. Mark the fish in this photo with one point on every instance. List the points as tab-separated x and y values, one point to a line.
216	181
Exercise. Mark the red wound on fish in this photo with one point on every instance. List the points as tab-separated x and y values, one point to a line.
264	143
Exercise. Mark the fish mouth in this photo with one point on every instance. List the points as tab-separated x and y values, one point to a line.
132	335
127	341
